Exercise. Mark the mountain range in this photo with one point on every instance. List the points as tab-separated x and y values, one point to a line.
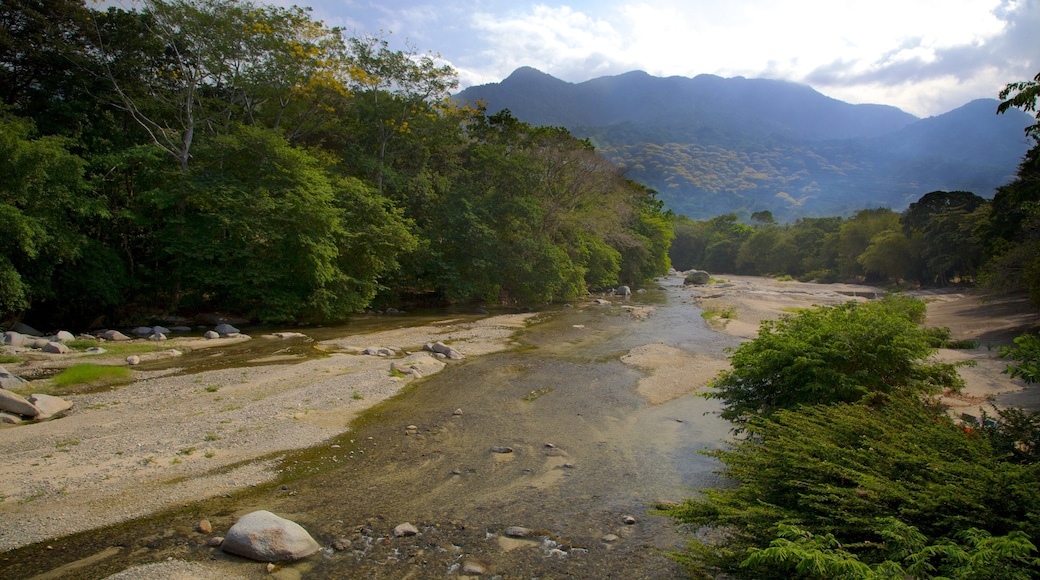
711	145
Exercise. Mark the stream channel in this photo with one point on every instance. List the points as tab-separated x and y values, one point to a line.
588	453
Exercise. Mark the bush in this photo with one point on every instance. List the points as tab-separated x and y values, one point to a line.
831	355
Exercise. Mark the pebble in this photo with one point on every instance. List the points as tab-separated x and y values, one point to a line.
501	449
457	412
341	544
205	527
517	532
405	529
610	538
474	567
628	520
214	542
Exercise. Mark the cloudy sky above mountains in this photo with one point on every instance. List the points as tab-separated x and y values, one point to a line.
923	56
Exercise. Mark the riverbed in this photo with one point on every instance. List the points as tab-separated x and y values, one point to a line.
574	432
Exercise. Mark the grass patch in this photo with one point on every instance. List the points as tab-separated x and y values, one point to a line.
8	359
724	313
212	388
537	394
66	443
211	437
784	278
357	396
397	374
113	347
717	280
186	451
88	377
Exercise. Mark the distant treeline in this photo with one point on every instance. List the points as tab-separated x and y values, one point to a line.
944	237
201	155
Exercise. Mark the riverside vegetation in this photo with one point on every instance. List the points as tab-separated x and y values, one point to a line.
207	155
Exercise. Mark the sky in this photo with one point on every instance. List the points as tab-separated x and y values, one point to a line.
926	57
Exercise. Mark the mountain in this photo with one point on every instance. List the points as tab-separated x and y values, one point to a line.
713	145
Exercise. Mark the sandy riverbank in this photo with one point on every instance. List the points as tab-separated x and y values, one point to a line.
169	439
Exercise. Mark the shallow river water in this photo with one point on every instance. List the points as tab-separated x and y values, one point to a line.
587	454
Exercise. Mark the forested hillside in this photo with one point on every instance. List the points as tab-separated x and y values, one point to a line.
199	155
714	146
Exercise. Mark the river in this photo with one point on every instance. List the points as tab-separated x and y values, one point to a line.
551	437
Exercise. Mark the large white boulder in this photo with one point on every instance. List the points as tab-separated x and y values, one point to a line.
265	537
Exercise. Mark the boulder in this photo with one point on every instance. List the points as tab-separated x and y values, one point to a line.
441	348
142	330
133	360
226	329
49	406
420	364
38	343
210	334
265	537
157	336
113	335
697	277
160	330
13	338
9	381
624	291
180	329
55	348
17	404
95	350
64	336
26	329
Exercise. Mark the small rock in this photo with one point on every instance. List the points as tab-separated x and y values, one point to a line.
405	529
49	406
113	335
205	527
142	331
628	520
133	360
55	348
226	329
473	567
601	301
501	449
341	544
610	538
517	532
210	334
271	568
157	336
9	418
457	412
95	350
214	542
13	338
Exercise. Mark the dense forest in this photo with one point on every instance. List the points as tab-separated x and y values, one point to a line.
203	155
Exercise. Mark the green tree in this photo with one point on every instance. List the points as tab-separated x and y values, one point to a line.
42	195
846	353
888	255
857	233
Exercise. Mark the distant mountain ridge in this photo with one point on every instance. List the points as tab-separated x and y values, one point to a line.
712	145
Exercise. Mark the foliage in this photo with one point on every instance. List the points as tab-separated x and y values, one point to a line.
1026	355
1023	95
897	484
847	353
